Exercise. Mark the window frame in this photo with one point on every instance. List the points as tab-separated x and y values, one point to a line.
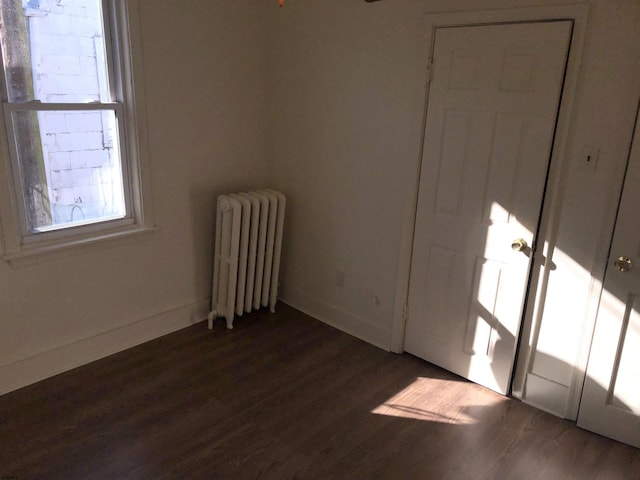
122	44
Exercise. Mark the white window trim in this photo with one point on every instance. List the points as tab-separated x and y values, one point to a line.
19	249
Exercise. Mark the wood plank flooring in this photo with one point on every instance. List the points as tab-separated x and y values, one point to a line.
284	396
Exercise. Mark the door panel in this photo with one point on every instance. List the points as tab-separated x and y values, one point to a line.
610	402
493	103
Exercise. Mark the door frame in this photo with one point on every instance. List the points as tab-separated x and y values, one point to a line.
551	202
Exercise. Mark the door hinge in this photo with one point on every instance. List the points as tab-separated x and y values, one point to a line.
429	71
405	312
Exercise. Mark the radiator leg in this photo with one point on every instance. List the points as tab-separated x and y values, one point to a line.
211	317
230	323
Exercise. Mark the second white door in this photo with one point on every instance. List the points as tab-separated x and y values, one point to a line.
493	105
611	397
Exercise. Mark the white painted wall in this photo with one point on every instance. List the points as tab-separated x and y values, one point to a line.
347	97
347	91
204	68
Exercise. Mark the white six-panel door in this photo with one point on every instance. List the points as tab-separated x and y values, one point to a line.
610	402
491	116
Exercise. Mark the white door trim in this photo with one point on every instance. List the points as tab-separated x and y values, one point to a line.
552	200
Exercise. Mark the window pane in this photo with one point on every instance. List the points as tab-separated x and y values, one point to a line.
70	167
54	51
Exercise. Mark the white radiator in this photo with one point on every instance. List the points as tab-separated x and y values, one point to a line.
246	260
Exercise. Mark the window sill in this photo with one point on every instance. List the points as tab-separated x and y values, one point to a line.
42	252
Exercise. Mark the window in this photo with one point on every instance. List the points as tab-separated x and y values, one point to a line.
73	167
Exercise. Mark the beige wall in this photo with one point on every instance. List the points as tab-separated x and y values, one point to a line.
347	88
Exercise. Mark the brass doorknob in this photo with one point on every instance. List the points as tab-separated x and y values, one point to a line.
623	264
519	245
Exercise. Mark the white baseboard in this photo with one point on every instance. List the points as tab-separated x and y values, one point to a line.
345	321
32	369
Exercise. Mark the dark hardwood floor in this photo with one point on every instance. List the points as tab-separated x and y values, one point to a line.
285	396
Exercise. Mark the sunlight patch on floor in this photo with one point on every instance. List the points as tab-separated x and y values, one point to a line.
425	399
